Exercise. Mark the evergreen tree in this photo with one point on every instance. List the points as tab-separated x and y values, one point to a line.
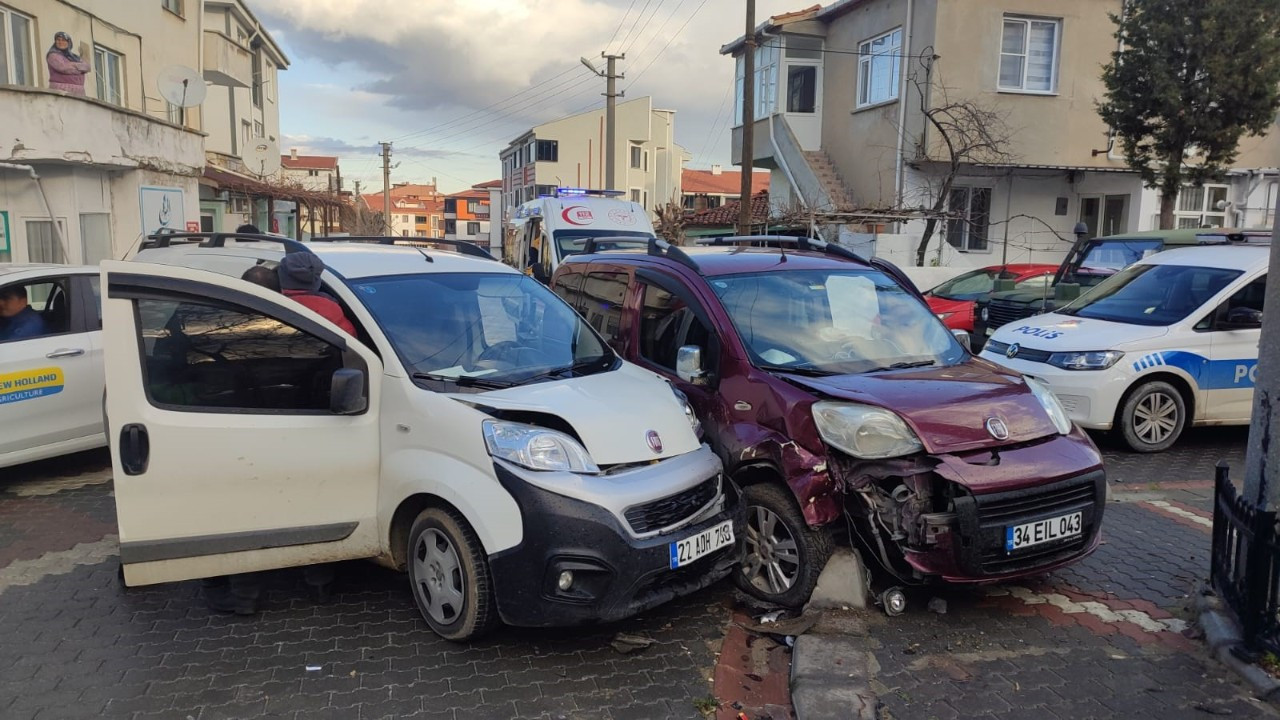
1192	77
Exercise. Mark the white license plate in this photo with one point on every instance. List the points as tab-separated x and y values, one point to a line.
1062	527
693	547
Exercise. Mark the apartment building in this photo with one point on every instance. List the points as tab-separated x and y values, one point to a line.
710	189
567	153
317	174
83	177
466	216
842	94
417	210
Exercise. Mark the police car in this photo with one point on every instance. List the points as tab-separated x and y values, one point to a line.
51	381
1167	342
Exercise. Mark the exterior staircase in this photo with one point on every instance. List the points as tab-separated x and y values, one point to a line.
833	187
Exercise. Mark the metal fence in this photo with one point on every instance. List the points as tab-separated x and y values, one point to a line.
1245	564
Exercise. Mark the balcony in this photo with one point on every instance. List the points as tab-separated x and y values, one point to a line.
46	126
226	62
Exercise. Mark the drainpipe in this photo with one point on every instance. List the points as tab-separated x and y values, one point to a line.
898	179
45	198
1111	131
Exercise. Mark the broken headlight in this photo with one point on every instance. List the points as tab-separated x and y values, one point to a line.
863	431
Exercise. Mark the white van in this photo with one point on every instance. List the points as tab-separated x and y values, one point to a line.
1167	342
475	432
546	230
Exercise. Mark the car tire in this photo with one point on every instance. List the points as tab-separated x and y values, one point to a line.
449	576
783	556
1152	417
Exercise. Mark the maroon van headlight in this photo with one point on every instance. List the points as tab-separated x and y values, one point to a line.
1052	407
864	431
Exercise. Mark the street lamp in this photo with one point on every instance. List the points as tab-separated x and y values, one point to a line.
591	67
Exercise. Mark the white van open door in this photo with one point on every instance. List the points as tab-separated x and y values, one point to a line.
243	427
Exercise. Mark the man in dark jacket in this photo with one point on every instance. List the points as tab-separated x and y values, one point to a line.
300	279
18	320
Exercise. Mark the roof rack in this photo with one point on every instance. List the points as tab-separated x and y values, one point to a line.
217	239
801	243
462	246
1234	237
654	246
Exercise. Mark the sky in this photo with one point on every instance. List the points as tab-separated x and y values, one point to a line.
451	82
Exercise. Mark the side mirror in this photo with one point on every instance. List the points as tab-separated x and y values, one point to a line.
962	337
1242	318
346	392
689	365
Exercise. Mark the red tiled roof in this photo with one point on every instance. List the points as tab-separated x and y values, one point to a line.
309	162
471	194
727	214
729	182
490	184
404	204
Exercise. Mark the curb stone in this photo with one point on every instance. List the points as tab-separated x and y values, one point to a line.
830	679
1221	634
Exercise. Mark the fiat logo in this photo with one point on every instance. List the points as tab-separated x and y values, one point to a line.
1013	350
997	428
654	440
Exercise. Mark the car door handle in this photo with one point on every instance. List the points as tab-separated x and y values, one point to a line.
135	449
65	352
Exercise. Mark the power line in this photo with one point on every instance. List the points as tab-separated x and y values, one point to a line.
636	22
661	27
670	40
644	25
714	124
620	24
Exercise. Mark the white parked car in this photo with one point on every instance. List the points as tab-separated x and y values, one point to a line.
1165	343
476	432
50	380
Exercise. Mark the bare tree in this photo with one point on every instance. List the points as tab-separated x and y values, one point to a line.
968	133
671	222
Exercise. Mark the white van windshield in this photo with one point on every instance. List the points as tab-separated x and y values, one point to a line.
1151	294
833	322
572	241
1110	256
482	329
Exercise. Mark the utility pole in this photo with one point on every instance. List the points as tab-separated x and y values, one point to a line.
748	121
1262	463
611	95
386	187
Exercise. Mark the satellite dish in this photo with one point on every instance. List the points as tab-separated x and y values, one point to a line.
261	156
182	86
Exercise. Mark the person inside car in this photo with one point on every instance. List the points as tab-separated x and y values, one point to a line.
299	275
18	320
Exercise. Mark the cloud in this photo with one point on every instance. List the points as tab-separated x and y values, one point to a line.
310	145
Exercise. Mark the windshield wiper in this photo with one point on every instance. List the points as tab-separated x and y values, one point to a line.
574	368
903	365
800	370
465	380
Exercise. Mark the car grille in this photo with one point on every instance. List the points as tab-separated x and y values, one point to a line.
672	509
998	511
1001	312
1024	353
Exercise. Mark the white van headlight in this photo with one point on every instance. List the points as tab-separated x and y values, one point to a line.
537	448
1087	360
1052	407
864	431
694	423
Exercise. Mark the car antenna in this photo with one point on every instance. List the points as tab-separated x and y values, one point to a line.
423	253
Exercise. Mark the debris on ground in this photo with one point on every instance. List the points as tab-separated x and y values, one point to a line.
938	605
784	628
627	643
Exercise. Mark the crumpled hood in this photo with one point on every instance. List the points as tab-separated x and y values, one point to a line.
612	412
947	407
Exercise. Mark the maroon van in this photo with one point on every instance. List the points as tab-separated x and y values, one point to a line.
845	411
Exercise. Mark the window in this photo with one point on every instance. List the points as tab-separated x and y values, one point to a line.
637	157
175	114
106	70
95	237
879	63
450	227
43	244
1029	55
173	6
201	356
971	208
257	76
246	131
541	190
1197	207
766	82
473	229
17	64
435	222
635	195
268	80
48	298
475	207
420	219
313	173
258	131
1104	214
802	83
549	150
666	324
603	307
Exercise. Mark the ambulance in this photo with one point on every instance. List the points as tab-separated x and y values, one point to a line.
545	231
1168	342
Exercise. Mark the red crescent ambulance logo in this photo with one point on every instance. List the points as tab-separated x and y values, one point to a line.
577	215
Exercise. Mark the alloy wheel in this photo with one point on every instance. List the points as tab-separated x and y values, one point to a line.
772	561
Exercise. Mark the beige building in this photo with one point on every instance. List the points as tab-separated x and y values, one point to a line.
83	177
567	153
841	99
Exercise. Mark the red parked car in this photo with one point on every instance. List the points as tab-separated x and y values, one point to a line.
953	300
